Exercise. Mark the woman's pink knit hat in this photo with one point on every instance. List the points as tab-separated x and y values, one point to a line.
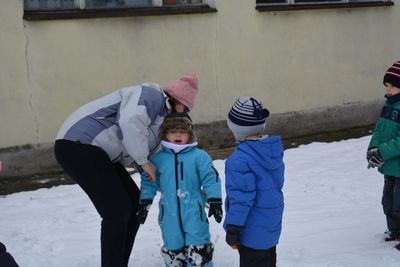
184	89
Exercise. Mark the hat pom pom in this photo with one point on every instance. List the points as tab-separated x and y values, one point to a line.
261	113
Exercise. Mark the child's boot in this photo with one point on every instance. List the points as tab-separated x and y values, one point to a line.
174	258
389	236
201	255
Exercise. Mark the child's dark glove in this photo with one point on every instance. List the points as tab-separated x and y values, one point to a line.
144	207
374	158
233	235
370	152
215	209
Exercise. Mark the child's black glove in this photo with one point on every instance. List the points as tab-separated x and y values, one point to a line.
215	209
233	235
370	152
144	207
374	158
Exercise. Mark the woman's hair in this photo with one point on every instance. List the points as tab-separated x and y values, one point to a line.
172	102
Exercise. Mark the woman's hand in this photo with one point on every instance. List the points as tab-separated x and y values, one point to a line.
150	170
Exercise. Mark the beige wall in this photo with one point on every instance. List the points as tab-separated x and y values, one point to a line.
293	61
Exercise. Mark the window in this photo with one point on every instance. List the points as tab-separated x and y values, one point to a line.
93	4
72	9
273	5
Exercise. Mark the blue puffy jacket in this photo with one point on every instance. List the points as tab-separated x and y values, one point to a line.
181	177
254	198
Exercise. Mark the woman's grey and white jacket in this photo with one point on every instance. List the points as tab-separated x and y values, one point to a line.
125	124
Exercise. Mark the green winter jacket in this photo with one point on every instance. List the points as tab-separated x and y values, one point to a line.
386	136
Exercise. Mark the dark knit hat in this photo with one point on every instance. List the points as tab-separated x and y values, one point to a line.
178	121
392	75
247	117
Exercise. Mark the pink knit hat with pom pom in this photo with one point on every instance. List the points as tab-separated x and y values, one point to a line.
184	89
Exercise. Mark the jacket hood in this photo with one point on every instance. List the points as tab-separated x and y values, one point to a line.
267	151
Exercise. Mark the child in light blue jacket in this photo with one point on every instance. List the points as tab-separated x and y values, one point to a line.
184	172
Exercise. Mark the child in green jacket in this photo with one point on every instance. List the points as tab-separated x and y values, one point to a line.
384	151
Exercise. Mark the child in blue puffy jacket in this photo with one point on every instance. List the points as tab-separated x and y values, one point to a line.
254	180
184	172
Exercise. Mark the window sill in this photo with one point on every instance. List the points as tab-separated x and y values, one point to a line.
265	8
115	12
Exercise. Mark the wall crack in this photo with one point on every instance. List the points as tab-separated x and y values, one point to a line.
28	78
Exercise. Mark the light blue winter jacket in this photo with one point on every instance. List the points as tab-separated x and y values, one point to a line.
181	177
254	199
125	124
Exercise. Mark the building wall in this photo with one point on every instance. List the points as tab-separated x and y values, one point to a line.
296	62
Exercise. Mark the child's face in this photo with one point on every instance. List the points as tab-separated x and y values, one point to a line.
177	136
391	90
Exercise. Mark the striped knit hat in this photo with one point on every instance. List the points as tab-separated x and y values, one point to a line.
247	117
392	75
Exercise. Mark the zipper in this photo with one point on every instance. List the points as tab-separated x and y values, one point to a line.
117	158
177	188
107	116
181	170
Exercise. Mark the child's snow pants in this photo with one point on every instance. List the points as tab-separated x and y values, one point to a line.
257	258
391	204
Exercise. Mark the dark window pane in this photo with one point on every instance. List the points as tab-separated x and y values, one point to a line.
317	1
82	4
116	3
358	1
271	1
266	2
49	4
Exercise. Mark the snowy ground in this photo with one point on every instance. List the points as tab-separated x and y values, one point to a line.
333	217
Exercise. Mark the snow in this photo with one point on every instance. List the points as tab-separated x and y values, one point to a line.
333	217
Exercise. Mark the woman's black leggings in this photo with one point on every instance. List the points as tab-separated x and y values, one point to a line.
112	191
